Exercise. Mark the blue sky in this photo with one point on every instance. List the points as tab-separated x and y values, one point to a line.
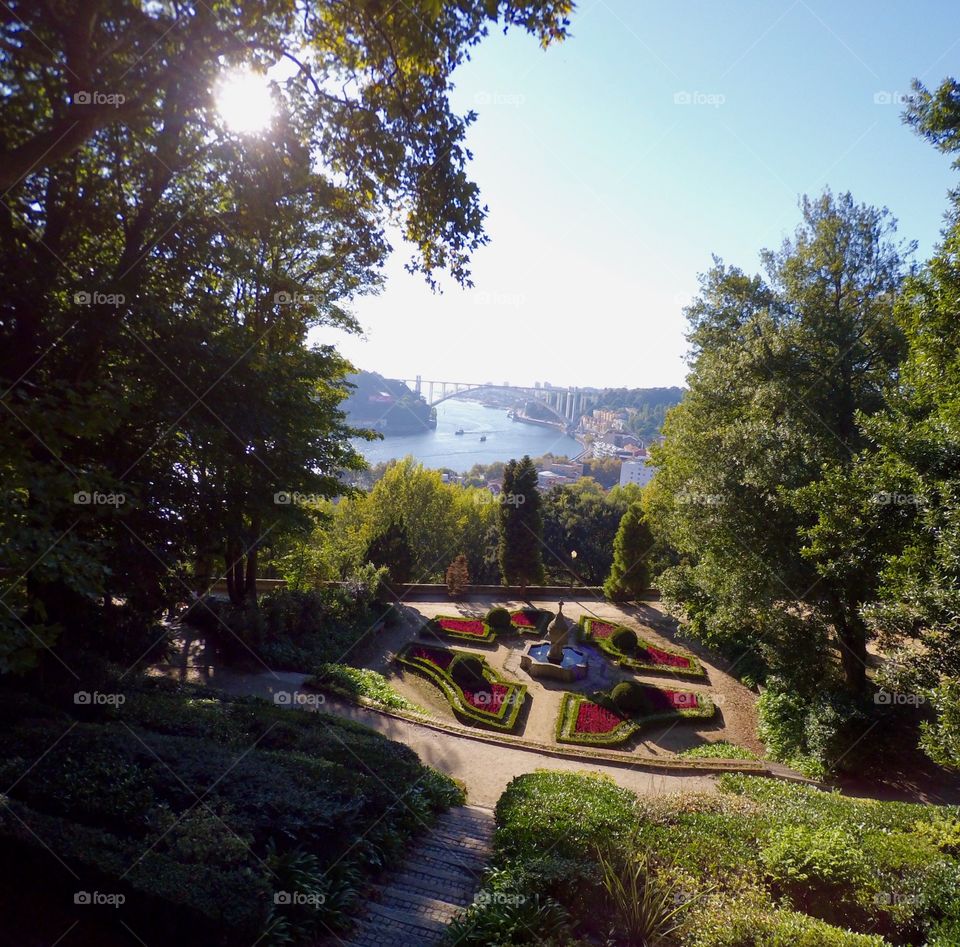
608	194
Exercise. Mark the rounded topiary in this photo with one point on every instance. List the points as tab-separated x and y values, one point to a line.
467	673
498	618
628	696
624	640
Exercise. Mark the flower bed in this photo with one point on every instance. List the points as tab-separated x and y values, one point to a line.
496	706
647	658
596	721
453	626
580	720
534	621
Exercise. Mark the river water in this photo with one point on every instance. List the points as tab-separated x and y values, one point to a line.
506	439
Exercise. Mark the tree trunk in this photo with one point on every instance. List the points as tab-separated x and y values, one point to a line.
852	638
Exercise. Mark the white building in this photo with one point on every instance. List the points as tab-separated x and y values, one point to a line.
636	471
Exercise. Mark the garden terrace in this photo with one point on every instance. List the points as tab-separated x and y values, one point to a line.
491	701
646	656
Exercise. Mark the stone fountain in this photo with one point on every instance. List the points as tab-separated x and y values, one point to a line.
557	658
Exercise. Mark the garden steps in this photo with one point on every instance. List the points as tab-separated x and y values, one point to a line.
437	880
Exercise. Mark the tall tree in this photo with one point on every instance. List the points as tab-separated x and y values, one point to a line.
630	574
781	369
521	525
162	274
391	548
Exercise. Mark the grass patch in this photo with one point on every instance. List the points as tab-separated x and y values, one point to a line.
721	750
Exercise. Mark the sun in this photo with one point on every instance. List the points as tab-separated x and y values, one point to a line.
244	101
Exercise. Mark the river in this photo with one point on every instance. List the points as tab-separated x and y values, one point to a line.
506	439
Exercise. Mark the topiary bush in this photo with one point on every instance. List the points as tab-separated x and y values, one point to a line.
467	673
627	697
624	640
499	618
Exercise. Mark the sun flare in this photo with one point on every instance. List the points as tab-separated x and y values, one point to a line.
244	101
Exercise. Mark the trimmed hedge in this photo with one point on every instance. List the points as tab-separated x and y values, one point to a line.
540	619
433	627
691	668
503	717
566	731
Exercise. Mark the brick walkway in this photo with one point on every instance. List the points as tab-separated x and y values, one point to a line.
439	877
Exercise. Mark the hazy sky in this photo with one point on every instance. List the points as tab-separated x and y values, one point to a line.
615	164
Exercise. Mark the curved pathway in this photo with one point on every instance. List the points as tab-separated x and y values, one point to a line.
485	768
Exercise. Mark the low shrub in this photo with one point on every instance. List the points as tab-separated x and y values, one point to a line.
625	641
468	674
350	682
499	618
721	750
628	697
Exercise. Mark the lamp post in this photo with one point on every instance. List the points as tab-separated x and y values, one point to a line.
573	560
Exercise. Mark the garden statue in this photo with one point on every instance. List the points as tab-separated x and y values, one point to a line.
559	633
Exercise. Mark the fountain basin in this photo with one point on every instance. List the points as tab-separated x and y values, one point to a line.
573	666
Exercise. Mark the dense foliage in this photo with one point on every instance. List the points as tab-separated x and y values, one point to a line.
520	522
761	863
200	810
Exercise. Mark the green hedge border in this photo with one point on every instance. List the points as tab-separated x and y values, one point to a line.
505	719
571	701
695	669
544	618
432	627
567	719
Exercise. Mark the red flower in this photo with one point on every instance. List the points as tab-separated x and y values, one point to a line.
440	659
660	699
601	629
656	656
523	619
592	718
488	701
463	626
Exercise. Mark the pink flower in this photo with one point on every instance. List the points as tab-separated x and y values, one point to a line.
523	619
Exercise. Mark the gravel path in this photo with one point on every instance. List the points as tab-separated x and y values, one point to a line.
485	768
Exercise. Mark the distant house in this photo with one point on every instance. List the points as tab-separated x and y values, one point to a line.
636	471
547	480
